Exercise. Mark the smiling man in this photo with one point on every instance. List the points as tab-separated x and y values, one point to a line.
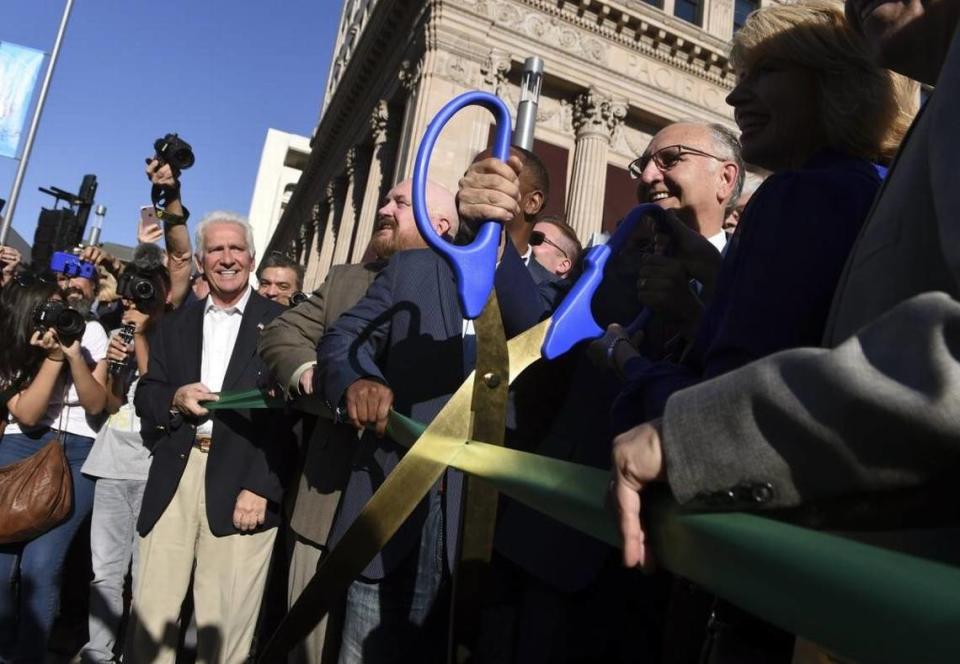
695	170
212	499
866	425
289	349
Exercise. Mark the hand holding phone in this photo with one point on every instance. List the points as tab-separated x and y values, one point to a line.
149	230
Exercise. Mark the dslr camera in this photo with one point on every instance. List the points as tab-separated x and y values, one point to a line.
173	150
137	287
71	266
68	323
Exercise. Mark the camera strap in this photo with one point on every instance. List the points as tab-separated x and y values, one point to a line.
161	197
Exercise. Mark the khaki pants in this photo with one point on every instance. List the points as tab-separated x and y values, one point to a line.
303	564
228	581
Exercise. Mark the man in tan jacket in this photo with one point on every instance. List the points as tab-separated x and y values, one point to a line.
289	349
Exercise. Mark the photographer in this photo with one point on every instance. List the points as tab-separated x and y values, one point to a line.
163	171
280	277
53	379
119	461
9	262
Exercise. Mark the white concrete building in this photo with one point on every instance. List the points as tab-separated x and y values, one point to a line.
282	161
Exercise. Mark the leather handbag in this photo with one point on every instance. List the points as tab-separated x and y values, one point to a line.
36	494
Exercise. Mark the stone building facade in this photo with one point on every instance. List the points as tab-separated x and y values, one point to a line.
615	72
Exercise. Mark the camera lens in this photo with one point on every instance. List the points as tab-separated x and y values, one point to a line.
143	289
70	323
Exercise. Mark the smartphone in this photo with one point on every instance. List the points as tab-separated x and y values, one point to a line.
148	218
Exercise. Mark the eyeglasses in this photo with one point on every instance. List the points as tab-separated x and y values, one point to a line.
538	238
665	159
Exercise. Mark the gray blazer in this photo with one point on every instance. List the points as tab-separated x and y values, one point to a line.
878	410
286	345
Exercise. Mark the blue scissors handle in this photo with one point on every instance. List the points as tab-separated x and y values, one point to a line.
573	321
474	264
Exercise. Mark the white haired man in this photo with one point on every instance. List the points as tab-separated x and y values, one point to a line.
212	500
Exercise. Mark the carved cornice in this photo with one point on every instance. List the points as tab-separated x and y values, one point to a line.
595	113
568	26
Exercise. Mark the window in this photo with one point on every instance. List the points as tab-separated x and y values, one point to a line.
742	9
688	10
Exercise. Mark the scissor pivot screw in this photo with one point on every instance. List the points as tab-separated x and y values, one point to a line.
491	380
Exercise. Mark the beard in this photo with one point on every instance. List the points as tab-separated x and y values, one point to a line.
76	300
384	247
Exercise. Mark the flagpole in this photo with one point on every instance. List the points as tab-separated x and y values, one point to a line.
25	157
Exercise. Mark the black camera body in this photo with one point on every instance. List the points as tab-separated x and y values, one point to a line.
173	150
138	288
69	323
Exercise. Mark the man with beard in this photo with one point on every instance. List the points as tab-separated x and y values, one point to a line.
407	346
289	349
874	413
81	292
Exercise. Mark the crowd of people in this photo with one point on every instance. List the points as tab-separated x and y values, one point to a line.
788	349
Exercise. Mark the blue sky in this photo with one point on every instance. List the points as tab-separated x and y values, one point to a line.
218	72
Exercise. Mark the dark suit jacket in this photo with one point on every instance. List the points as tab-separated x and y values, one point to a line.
285	345
250	448
407	332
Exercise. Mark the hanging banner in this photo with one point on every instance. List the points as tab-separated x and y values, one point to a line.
19	67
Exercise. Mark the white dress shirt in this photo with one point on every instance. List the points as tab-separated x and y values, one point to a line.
719	241
220	328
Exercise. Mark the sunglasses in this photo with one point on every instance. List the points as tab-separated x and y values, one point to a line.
665	159
537	238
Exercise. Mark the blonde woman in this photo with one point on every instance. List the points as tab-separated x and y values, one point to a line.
815	111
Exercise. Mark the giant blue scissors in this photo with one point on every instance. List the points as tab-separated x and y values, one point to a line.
573	321
474	264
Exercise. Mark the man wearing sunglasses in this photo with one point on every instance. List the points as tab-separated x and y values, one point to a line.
555	245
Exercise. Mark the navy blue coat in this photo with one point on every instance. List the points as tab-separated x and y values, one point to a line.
408	333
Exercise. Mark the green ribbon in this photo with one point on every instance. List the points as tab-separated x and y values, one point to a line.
861	601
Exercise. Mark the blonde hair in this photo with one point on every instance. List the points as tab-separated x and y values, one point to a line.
864	110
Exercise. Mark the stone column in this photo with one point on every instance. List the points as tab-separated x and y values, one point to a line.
371	195
348	215
327	237
312	259
595	117
409	77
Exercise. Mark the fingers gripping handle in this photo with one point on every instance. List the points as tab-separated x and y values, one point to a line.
573	321
473	264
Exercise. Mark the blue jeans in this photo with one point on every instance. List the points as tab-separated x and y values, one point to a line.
26	617
401	618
